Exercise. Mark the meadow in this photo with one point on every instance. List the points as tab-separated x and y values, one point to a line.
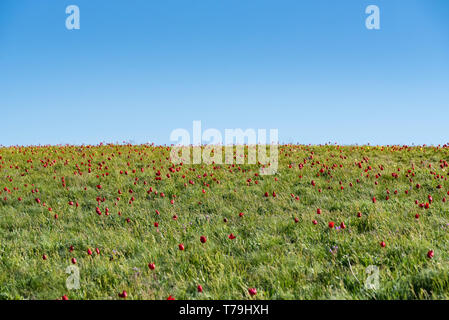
332	219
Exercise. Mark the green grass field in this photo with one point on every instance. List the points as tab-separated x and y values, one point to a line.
277	249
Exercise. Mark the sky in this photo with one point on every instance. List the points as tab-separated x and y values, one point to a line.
137	70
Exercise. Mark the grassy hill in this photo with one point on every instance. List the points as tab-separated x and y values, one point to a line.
317	229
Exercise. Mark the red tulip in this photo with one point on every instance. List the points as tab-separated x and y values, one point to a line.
252	291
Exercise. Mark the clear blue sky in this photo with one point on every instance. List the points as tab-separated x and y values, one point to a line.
136	70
